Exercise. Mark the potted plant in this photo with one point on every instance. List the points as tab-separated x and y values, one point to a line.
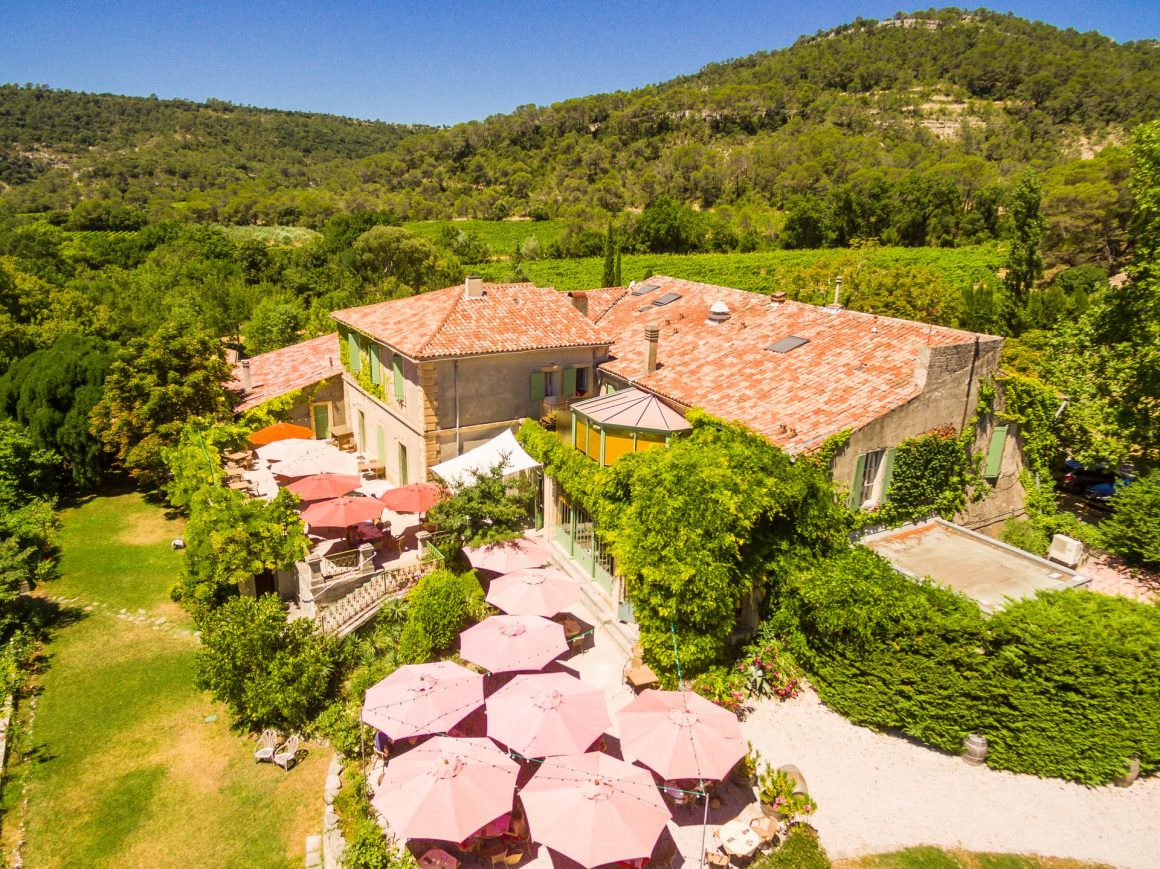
779	797
744	772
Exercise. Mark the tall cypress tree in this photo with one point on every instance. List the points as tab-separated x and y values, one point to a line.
609	277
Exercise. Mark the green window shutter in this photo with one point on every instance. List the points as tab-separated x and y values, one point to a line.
887	474
537	385
995	452
397	376
355	357
569	382
376	365
854	501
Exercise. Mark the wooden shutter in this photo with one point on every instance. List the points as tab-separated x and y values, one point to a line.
355	354
569	382
995	452
397	376
855	499
887	475
376	365
537	385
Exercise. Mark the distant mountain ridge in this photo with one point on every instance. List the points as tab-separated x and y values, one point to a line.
967	97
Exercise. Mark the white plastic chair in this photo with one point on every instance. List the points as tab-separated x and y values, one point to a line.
267	742
287	755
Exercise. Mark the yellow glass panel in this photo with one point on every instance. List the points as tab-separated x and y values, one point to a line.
581	435
593	450
617	442
649	440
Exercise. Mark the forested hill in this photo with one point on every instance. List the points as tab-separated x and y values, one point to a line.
951	100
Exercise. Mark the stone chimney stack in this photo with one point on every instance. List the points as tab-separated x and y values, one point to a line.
579	301
652	335
473	287
247	379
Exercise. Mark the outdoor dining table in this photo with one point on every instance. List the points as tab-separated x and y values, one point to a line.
738	838
239	456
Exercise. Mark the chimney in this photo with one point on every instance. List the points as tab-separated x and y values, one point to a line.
778	298
718	313
836	305
652	335
579	301
247	380
473	287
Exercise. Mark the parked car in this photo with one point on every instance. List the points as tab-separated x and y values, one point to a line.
1100	494
1078	478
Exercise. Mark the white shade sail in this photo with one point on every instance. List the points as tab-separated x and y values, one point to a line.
504	446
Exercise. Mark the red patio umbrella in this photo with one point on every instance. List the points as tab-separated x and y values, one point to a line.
680	735
342	512
318	487
279	431
414	498
446	788
422	698
594	808
545	714
505	644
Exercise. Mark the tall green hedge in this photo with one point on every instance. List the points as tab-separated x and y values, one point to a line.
1061	685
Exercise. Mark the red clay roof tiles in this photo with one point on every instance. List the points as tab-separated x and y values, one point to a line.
281	371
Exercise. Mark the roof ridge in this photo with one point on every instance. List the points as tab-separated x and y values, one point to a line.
447	316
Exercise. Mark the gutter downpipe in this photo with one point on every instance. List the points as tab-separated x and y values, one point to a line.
970	384
455	386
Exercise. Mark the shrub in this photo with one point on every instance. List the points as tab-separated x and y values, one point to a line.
799	850
1133	531
883	650
723	686
441	605
1072	686
769	670
269	672
1026	535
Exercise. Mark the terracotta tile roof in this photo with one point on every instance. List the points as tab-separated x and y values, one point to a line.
281	371
599	301
506	319
854	368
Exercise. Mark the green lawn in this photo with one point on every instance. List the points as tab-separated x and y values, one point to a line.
121	767
928	857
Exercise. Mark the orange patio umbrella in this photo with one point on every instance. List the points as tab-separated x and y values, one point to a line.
279	431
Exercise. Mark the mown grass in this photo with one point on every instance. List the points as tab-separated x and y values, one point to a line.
929	857
126	763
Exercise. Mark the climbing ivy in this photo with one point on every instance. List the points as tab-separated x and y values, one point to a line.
931	475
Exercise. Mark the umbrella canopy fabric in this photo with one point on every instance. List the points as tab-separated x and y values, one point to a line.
318	487
680	735
414	498
505	644
324	459
279	431
280	451
446	788
535	591
545	714
342	512
509	556
594	808
422	698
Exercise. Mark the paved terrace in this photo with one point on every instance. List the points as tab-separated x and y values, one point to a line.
879	793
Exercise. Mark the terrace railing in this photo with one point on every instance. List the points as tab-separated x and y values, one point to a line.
352	611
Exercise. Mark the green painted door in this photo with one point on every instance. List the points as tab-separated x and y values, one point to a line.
381	444
402	464
321	421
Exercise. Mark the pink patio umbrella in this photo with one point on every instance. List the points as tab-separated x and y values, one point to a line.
446	788
509	556
594	808
325	459
536	591
504	644
545	714
280	451
342	512
414	498
318	487
680	735
422	698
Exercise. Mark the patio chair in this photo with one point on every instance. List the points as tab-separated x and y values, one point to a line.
267	742
287	755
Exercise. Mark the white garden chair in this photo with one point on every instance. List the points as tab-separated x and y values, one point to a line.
267	742
287	755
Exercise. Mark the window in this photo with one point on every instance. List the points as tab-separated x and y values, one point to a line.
362	431
549	384
872	473
397	376
582	380
867	497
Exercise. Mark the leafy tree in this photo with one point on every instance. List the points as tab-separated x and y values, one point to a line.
666	226
1133	531
609	277
1024	260
487	509
194	462
268	671
153	386
439	607
393	253
52	392
276	321
231	540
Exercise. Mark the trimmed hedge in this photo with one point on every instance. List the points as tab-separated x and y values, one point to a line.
1061	685
440	606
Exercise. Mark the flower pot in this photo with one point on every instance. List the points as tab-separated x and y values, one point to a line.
975	749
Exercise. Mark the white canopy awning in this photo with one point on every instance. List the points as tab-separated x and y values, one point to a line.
458	471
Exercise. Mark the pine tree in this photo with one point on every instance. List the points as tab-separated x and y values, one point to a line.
1024	261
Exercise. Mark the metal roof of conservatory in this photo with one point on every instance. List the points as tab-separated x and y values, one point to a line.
632	408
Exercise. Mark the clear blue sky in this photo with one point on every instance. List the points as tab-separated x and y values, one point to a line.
431	61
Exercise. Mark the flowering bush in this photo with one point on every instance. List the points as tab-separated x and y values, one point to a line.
724	687
778	789
769	671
